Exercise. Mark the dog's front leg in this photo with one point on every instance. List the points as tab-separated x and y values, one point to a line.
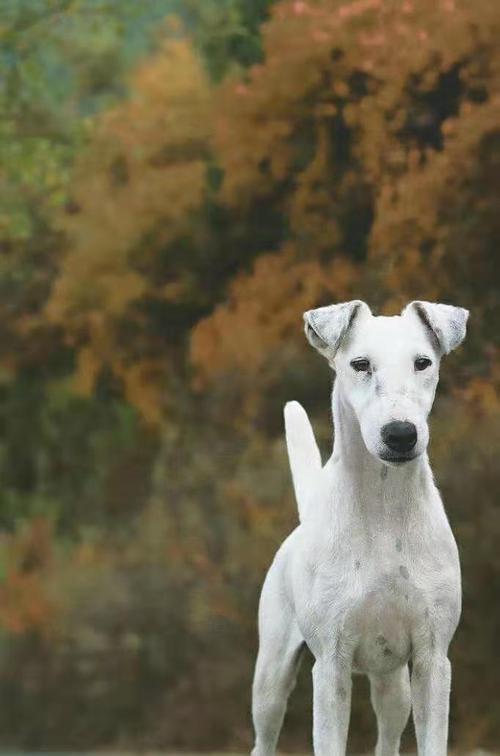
332	705
430	688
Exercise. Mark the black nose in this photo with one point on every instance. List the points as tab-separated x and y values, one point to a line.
400	437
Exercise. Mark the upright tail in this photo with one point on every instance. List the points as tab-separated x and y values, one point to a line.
303	454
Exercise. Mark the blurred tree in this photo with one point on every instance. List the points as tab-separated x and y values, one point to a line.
142	178
62	61
372	128
151	248
226	31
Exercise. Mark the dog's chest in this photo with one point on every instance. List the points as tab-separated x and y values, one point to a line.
382	591
378	605
386	607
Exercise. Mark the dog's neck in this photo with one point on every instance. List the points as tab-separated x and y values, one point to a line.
368	480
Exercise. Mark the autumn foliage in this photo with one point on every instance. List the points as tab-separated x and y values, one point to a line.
343	149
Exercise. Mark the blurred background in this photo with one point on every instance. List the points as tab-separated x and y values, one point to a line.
179	180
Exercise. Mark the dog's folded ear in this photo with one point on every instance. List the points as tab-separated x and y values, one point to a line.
325	327
445	324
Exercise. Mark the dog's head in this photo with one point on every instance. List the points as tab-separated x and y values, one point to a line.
388	368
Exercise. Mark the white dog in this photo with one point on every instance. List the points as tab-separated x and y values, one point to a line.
370	579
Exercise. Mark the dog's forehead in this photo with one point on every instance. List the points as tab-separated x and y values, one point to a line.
387	335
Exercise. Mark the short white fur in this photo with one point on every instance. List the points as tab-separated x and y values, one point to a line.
370	579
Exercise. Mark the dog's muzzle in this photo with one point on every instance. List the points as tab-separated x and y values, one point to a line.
400	438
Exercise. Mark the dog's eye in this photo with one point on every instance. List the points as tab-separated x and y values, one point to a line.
361	365
421	363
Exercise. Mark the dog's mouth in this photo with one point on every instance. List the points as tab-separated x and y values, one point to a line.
397	459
